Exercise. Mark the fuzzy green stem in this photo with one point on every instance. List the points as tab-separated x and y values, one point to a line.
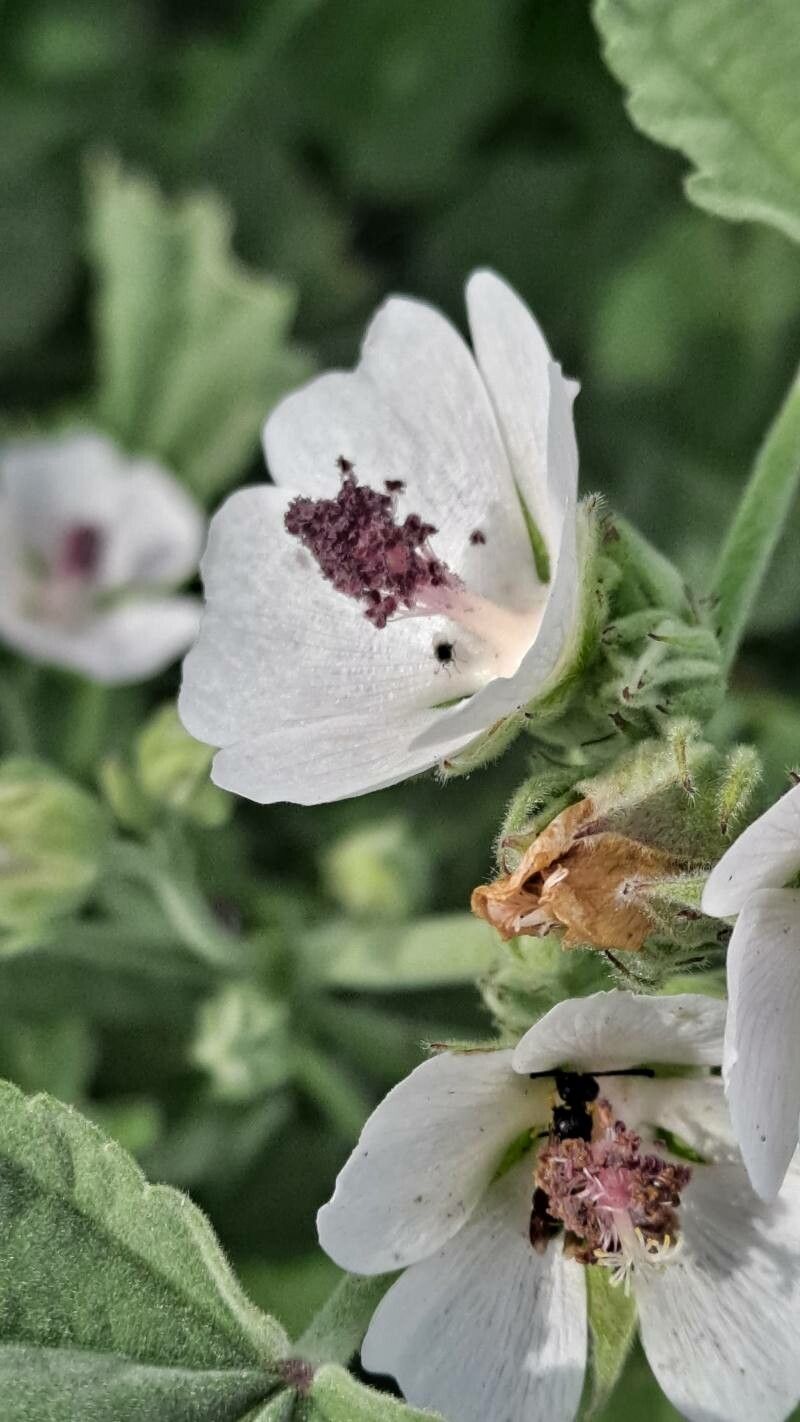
17	734
757	524
337	1331
86	726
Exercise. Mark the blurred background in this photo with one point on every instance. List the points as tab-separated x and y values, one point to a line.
362	147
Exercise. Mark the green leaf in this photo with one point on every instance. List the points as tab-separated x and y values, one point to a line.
296	1288
338	1397
437	950
193	347
717	80
95	1259
43	1055
612	1327
65	1384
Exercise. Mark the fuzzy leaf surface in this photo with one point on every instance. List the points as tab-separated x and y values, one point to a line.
719	82
112	1288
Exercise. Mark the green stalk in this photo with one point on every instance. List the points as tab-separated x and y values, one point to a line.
337	1331
757	524
183	906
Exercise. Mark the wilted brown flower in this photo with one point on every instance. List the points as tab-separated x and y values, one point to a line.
580	879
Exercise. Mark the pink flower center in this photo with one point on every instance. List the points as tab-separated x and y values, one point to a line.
80	552
610	1196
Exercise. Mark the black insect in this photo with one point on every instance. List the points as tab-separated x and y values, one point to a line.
394	486
477	537
542	1224
573	1120
345	466
445	653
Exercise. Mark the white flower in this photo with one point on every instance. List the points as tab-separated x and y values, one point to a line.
403	616
761	1062
89	541
484	1323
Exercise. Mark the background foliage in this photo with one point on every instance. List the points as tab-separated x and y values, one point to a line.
234	1040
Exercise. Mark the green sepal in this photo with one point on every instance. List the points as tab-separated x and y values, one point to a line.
532	974
647	578
488	746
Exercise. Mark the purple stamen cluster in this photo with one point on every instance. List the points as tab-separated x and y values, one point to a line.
80	551
362	549
591	1185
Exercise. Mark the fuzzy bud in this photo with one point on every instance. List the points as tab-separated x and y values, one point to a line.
52	836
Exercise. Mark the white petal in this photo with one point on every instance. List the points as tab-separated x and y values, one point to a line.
318	761
132	642
556	629
308	700
765	856
623	1029
487	1330
158	531
152	530
720	1323
762	1037
425	1158
693	1109
53	484
515	362
414	409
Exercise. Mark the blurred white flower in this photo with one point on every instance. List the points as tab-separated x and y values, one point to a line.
489	1318
412	580
90	540
761	1064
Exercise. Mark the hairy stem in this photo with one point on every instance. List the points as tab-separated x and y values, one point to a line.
757	524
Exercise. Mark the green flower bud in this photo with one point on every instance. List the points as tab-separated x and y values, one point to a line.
173	770
123	795
51	841
242	1041
378	871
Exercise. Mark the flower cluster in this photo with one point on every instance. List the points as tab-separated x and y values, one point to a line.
411	591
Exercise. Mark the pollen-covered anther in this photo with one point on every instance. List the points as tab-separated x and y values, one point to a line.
363	549
620	1205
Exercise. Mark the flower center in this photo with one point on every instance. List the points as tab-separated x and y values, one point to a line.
80	551
61	589
367	553
617	1204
